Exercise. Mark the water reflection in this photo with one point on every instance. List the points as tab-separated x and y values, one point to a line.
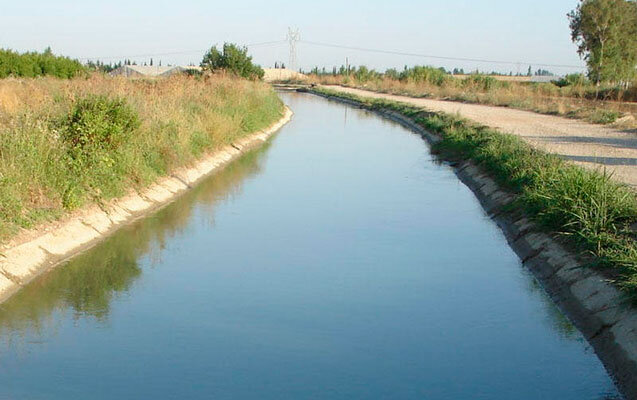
86	285
352	267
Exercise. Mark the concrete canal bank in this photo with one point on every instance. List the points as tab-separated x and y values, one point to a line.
42	249
594	305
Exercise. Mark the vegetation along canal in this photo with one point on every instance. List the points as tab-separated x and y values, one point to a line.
339	261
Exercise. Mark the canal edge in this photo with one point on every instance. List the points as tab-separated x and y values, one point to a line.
51	246
586	297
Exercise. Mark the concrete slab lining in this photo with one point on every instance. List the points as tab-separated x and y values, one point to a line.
48	247
592	303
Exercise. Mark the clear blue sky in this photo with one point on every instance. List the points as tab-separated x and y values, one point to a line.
524	31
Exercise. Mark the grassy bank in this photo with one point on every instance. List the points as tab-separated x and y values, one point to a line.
576	100
587	209
67	143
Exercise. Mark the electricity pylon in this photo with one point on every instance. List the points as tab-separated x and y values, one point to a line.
293	37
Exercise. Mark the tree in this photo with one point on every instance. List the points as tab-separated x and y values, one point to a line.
233	59
605	32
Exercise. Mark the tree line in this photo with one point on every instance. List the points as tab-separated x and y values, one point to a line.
34	64
605	32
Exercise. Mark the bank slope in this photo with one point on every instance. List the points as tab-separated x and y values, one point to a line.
570	226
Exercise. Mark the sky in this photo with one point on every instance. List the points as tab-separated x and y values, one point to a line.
176	32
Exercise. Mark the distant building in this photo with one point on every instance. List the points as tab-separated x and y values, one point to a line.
151	71
281	74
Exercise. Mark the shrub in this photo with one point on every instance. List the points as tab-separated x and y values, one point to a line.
364	74
481	82
233	59
602	116
425	74
98	122
34	64
572	80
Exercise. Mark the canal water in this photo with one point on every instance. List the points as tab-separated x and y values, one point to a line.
339	261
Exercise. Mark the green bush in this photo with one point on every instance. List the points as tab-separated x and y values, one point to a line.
233	59
96	131
482	82
572	80
364	74
34	64
602	116
98	122
420	74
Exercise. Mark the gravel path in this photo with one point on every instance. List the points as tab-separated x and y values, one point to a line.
593	146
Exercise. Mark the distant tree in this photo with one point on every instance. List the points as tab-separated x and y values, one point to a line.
33	64
605	32
233	59
543	72
422	73
392	73
282	66
529	72
151	62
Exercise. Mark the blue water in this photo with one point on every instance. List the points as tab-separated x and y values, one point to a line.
337	262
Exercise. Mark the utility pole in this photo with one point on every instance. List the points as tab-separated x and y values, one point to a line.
293	37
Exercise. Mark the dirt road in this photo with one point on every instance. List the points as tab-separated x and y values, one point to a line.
593	146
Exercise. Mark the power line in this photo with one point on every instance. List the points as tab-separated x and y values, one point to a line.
436	57
176	52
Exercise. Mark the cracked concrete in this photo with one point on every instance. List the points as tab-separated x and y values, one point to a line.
46	247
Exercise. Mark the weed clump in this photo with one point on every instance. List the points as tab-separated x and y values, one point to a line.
98	122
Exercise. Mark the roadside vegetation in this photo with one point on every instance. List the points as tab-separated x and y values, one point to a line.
587	209
68	143
605	32
34	64
573	96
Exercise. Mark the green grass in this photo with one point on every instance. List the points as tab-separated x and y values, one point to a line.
65	144
590	211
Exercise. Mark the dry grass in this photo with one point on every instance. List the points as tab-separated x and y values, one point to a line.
181	118
545	98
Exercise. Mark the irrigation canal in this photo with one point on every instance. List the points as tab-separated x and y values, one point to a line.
337	262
